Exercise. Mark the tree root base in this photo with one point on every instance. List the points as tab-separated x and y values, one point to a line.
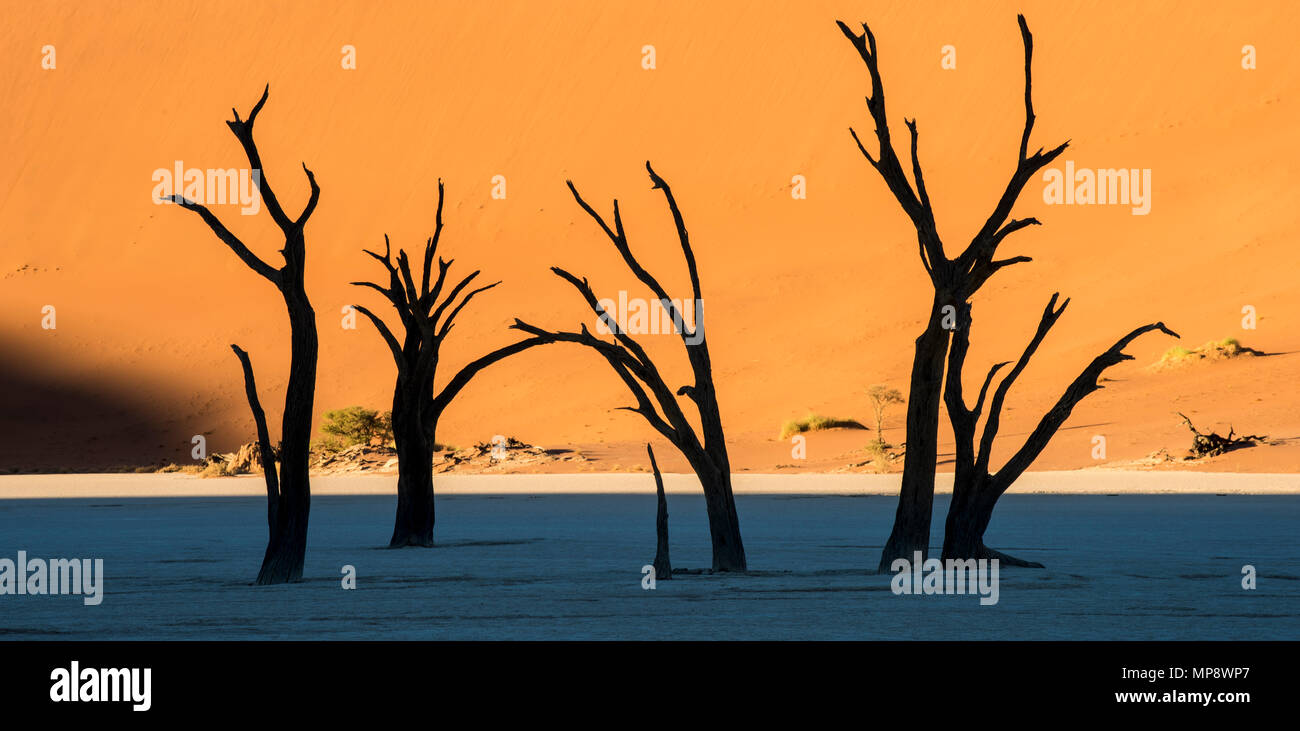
1007	560
411	542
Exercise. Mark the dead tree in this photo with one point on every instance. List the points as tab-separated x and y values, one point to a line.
975	489
663	566
655	400
288	494
1213	444
426	321
954	281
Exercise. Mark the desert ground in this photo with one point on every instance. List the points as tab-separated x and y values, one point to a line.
1076	482
512	562
810	300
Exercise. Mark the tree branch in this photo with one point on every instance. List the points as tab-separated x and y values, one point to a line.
624	365
988	379
229	239
589	296
447	323
1085	384
683	237
387	293
964	419
985	242
437	313
431	246
619	238
243	131
412	295
387	334
263	437
311	202
1050	315
915	203
466	374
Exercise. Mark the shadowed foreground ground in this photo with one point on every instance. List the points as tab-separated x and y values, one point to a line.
568	567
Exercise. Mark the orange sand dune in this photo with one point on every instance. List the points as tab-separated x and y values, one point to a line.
809	300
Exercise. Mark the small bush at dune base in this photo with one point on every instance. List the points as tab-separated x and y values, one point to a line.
816	422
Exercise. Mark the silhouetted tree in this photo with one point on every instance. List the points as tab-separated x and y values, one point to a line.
288	493
954	281
656	401
975	490
426	321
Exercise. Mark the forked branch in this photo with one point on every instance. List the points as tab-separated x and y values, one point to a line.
618	236
977	259
656	401
1084	384
964	420
292	228
976	263
915	202
1051	314
421	307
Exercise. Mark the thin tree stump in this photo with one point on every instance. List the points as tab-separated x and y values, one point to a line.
663	567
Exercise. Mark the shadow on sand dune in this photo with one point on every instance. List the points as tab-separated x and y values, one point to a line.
53	425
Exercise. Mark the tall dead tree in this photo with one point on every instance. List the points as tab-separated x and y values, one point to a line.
426	321
975	490
288	493
656	401
954	281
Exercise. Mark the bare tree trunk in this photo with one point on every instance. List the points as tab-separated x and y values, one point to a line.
911	530
968	518
724	523
713	467
663	566
287	548
413	525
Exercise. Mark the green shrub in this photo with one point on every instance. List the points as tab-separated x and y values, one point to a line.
355	425
878	454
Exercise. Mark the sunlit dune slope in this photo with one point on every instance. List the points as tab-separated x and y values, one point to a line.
809	300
